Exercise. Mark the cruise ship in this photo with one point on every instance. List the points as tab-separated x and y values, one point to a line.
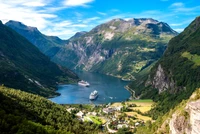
93	95
84	83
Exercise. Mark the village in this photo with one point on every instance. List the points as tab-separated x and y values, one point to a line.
114	116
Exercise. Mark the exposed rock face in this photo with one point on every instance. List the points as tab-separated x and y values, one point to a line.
161	81
193	109
115	47
189	123
178	125
118	47
78	34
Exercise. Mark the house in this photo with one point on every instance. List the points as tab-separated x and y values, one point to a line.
70	109
118	108
108	110
121	126
80	114
92	113
137	123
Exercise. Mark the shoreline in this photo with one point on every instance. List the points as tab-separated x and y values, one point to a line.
131	91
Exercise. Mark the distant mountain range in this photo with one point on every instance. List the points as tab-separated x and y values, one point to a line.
23	66
119	48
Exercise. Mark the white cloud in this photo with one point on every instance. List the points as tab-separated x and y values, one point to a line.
34	4
179	29
88	20
101	13
180	7
14	10
181	23
65	23
62	32
79	25
178	4
77	2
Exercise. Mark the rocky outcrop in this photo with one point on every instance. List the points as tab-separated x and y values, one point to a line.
78	34
111	48
188	123
179	125
193	108
161	81
114	47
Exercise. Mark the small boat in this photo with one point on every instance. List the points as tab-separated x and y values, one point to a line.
84	83
93	95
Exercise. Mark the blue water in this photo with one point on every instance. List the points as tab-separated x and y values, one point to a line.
110	89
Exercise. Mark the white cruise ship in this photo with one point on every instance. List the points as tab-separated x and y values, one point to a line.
84	83
93	95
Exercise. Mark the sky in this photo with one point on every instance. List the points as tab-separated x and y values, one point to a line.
63	18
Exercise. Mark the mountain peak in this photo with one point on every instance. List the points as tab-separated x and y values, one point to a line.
135	26
20	25
78	34
197	22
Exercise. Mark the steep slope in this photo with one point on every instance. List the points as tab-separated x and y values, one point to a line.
49	45
176	75
22	112
118	47
24	67
183	119
77	35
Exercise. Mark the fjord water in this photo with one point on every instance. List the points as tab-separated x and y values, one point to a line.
110	89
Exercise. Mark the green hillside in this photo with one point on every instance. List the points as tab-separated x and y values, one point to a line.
49	45
180	75
24	67
119	48
25	113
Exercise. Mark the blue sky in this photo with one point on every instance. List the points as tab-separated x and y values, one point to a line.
64	18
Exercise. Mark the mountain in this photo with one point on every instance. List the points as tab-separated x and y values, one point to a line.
22	112
77	35
24	67
118	47
176	75
49	45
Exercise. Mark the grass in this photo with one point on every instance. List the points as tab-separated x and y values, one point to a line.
143	109
139	116
96	120
145	100
194	58
141	105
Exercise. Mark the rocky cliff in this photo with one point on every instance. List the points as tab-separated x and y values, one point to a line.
186	119
179	67
176	75
118	47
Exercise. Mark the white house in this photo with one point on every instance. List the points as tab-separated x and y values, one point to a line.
80	114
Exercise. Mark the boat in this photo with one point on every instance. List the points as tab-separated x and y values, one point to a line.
93	95
84	83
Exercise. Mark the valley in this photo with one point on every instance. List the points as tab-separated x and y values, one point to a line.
144	73
118	48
